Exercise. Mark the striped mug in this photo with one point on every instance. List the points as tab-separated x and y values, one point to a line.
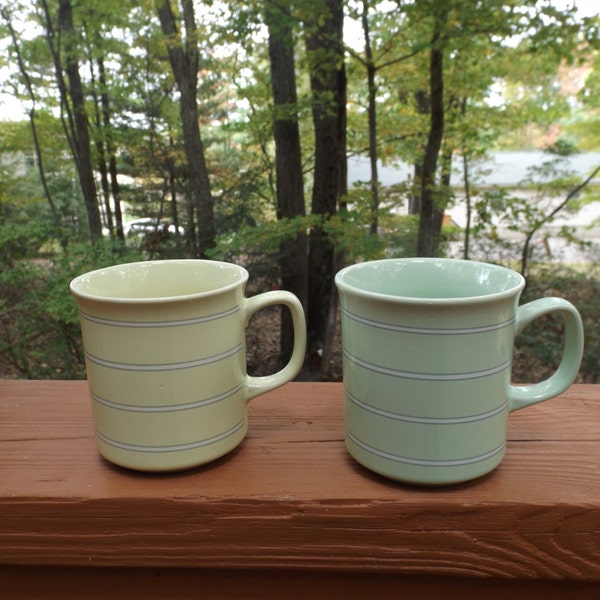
165	356
427	350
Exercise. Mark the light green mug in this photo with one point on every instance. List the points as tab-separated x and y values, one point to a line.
165	356
427	351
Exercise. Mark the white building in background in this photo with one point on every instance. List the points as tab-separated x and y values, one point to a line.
510	170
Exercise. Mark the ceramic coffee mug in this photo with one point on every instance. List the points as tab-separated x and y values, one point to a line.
165	355
427	351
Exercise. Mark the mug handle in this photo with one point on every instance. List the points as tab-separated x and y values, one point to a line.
526	395
259	385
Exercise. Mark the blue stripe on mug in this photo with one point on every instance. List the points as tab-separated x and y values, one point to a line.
427	420
167	408
173	448
427	376
455	462
176	323
164	367
426	330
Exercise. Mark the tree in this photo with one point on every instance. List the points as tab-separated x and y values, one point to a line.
429	215
324	45
106	158
384	47
73	103
32	117
288	159
479	50
371	69
184	58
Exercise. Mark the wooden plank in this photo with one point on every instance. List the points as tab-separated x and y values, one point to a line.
296	536
187	584
294	448
291	497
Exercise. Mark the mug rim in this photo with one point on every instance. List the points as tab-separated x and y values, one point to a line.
77	282
345	286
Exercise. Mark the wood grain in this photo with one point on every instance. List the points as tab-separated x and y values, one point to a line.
290	498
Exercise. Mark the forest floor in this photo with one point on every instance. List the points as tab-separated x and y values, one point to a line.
262	350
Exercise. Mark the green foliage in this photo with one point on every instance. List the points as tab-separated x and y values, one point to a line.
563	146
22	240
265	237
24	207
583	124
257	246
399	234
39	324
25	220
350	234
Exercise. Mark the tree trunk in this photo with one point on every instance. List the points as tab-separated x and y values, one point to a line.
468	200
80	119
101	158
428	233
110	148
467	184
445	191
372	113
423	104
174	211
32	123
328	85
184	59
293	260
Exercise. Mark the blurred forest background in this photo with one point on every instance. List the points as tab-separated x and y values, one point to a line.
147	129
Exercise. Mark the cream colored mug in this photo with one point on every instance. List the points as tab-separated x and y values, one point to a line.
164	346
427	351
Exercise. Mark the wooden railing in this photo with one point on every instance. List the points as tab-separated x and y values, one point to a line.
289	514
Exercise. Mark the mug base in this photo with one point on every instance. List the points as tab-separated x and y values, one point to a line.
158	460
418	473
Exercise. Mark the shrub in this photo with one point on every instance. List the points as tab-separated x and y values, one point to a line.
40	336
539	347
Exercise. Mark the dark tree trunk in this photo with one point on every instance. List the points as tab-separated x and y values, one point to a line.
184	59
80	120
423	105
102	164
110	148
174	211
293	261
328	84
467	185
372	113
429	220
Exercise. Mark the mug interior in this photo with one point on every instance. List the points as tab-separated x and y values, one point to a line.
430	279
159	280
